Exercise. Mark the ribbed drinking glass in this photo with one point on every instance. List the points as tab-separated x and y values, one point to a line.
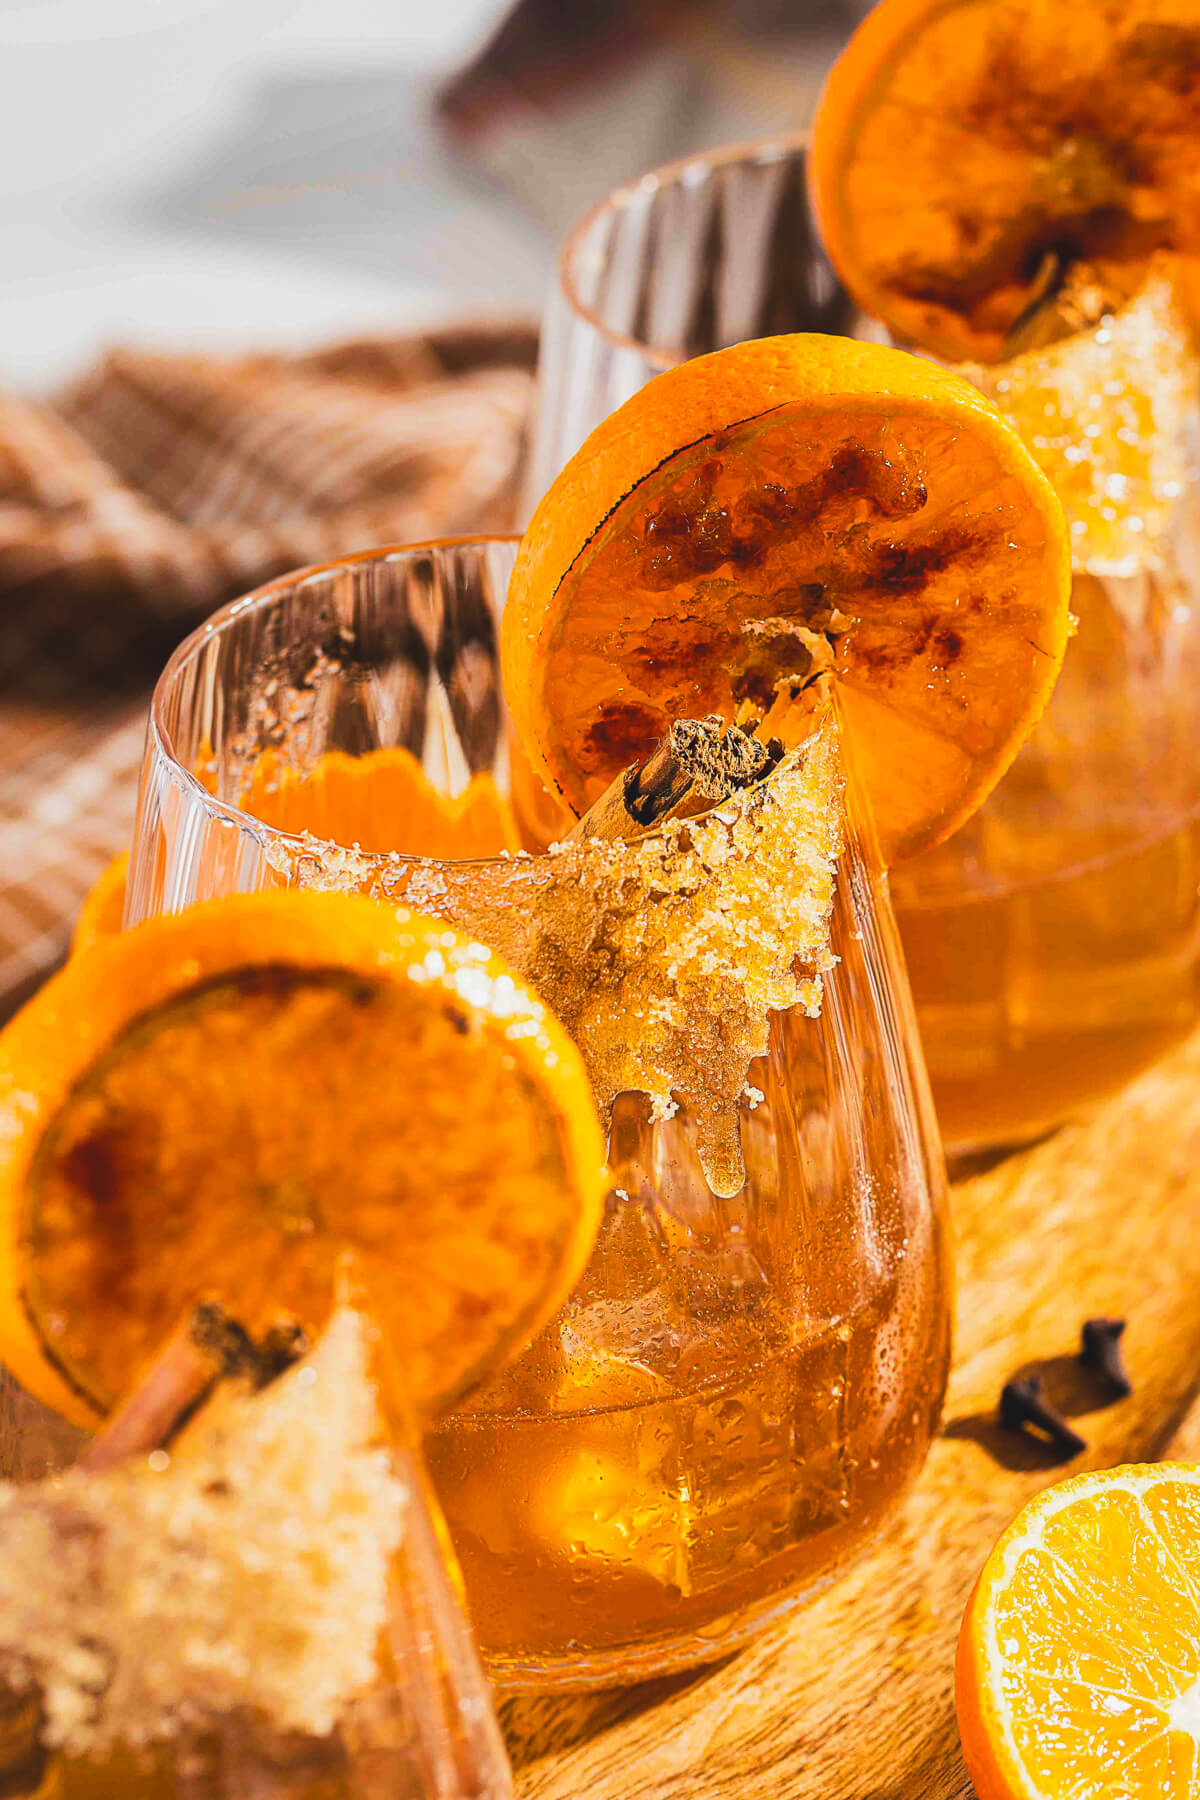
1053	945
744	1381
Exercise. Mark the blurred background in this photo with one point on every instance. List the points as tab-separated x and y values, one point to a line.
232	173
270	278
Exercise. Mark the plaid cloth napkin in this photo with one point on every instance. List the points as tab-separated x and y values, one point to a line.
157	486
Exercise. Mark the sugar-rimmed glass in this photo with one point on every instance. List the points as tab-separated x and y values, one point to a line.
742	1384
691	257
1053	945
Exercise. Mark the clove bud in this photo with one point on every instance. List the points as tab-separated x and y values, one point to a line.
1101	1350
1024	1407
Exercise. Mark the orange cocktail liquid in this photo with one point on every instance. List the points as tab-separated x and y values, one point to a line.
625	1521
737	1390
1053	945
1041	997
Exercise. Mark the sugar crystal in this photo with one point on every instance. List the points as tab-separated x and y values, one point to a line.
662	955
252	1572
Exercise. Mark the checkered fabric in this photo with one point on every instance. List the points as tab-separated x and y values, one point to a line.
157	486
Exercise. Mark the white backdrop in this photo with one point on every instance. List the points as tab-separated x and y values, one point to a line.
238	172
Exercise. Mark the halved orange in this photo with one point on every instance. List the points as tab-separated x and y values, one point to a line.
1078	1670
964	150
227	1101
787	503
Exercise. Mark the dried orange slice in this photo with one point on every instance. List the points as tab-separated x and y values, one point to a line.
963	150
781	505
104	907
1078	1667
226	1101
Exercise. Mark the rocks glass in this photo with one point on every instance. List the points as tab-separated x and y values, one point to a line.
750	1371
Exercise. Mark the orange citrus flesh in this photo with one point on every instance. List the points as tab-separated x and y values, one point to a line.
228	1101
380	801
1078	1670
784	505
104	908
965	150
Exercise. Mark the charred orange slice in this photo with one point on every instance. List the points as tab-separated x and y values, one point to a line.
228	1101
786	506
1078	1667
964	152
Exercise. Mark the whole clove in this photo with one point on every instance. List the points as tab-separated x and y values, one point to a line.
1100	1349
1024	1408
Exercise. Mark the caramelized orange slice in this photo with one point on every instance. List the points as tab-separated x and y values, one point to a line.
965	151
1079	1660
786	505
227	1101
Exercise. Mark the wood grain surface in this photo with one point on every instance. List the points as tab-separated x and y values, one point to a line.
852	1698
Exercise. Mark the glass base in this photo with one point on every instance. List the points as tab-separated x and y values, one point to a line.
696	1645
678	1654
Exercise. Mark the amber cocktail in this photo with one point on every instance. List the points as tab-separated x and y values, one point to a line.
1053	945
750	1371
1038	231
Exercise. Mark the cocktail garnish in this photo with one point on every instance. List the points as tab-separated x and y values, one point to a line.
380	800
222	1103
663	954
794	506
256	1563
1106	414
969	155
210	1346
698	765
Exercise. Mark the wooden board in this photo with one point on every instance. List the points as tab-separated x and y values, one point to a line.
852	1698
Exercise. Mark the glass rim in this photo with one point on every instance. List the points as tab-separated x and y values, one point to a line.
260	598
777	147
159	743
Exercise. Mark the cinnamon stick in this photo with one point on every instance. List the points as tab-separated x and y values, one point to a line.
209	1346
696	766
1064	299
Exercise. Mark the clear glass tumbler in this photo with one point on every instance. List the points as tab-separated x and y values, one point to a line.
1053	945
743	1382
692	257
